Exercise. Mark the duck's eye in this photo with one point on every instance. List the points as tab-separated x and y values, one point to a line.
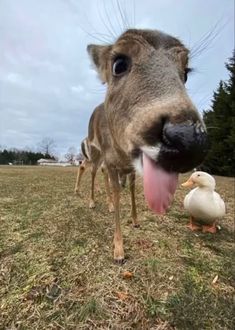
121	65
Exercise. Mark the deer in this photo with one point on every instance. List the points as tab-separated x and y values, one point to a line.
93	158
147	122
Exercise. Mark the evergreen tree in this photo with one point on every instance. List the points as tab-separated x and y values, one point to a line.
220	121
20	157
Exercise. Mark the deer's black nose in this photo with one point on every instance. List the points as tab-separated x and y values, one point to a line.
184	137
184	146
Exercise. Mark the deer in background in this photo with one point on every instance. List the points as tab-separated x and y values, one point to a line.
93	158
147	121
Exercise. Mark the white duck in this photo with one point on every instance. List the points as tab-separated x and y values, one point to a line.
204	205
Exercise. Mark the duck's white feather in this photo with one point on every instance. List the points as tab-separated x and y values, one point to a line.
204	204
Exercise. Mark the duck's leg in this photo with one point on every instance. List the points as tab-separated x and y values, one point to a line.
209	228
192	225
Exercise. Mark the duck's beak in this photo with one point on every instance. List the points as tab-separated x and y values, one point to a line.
188	183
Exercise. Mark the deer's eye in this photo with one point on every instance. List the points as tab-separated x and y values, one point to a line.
121	65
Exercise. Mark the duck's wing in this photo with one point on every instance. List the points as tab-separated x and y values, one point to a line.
220	203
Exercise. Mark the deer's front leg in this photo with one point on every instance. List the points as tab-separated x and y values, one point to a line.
133	204
118	240
92	193
107	187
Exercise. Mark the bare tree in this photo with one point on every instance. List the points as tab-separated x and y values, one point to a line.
70	156
47	146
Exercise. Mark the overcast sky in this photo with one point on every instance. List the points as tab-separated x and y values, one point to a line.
47	85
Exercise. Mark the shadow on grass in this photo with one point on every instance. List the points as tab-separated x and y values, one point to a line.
196	306
17	247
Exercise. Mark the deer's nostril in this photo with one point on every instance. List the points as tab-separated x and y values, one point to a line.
184	136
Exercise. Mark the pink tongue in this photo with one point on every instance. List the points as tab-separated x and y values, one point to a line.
159	185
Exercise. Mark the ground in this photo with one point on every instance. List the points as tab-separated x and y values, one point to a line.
56	267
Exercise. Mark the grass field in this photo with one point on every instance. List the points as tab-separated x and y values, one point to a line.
56	268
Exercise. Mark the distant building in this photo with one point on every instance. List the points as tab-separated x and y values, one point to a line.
43	160
52	162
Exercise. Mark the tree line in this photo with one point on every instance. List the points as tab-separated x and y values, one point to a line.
20	157
220	122
27	157
46	150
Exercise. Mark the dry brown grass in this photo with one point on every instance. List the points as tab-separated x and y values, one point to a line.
56	268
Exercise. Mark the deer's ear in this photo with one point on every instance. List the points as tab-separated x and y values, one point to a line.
100	56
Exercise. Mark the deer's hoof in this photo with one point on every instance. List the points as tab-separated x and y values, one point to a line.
119	262
92	205
136	225
111	208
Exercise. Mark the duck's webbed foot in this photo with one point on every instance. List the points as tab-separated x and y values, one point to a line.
209	228
193	226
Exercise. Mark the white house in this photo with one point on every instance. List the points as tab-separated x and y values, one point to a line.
51	162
